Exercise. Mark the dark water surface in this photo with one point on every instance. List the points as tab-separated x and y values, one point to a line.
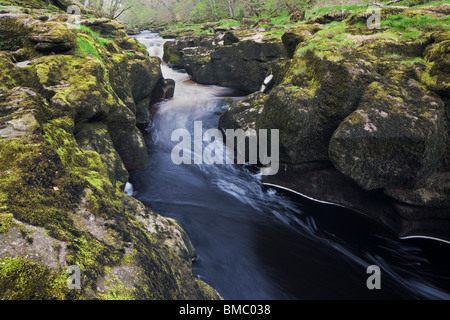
260	243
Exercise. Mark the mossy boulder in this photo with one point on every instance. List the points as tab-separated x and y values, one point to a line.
172	50
131	147
80	87
316	95
234	61
53	37
96	137
243	65
229	38
394	140
370	105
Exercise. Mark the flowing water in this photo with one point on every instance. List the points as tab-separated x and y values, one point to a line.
260	243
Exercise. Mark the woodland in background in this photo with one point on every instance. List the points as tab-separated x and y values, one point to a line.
143	12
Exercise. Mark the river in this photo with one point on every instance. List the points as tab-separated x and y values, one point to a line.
258	243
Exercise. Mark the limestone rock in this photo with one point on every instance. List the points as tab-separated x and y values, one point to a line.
243	114
393	140
53	37
320	94
244	65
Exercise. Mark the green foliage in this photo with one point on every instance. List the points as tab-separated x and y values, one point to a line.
419	3
428	3
27	3
403	23
415	60
86	48
229	23
98	38
334	8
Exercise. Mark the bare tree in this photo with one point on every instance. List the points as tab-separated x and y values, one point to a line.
117	7
231	8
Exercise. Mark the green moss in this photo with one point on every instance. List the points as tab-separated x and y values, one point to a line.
86	165
117	291
373	85
48	189
314	47
228	100
37	4
355	118
6	220
171	58
413	61
429	3
334	9
96	35
427	79
422	22
229	23
86	48
142	48
13	34
21	279
90	255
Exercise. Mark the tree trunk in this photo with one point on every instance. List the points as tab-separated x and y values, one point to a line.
230	8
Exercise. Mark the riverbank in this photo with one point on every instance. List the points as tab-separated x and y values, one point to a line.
71	96
362	113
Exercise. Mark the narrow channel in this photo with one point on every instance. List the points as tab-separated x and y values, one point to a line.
260	243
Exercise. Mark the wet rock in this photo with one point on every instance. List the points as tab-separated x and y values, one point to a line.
130	145
244	65
132	31
169	88
34	243
311	108
244	113
18	115
229	38
322	182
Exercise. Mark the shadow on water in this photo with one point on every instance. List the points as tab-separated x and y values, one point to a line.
256	242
